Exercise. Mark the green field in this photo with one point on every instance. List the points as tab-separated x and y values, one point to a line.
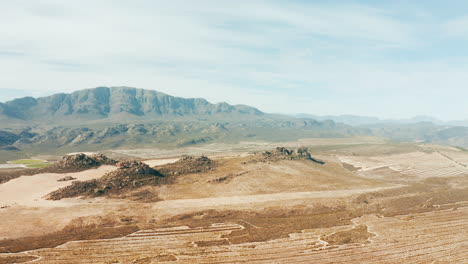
26	161
38	165
31	163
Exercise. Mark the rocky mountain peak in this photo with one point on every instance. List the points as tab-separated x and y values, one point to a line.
118	104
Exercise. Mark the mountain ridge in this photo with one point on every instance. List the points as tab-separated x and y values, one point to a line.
119	103
126	117
357	120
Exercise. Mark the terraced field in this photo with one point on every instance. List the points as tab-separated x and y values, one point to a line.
460	157
419	164
409	207
432	237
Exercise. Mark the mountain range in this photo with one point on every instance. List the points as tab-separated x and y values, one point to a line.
116	104
356	120
125	117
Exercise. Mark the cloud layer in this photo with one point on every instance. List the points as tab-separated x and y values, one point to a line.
281	56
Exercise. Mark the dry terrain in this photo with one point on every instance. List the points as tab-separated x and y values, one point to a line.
368	203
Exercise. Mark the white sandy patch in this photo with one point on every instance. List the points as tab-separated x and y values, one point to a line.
159	162
30	190
11	166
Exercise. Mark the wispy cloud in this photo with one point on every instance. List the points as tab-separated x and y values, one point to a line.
281	56
457	27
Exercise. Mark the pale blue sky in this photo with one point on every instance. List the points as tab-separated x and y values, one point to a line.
391	59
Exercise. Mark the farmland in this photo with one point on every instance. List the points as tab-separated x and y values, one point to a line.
366	204
418	164
393	240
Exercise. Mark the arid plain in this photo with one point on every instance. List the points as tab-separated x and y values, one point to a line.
354	201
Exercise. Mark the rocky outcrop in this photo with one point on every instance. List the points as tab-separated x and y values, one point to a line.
129	175
82	161
187	165
7	138
282	153
67	178
103	160
135	167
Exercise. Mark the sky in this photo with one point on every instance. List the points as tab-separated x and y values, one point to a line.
390	59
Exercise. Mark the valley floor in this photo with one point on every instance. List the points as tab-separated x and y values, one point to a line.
367	204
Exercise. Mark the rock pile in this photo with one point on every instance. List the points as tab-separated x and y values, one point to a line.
282	153
129	175
82	161
187	165
135	168
67	178
103	160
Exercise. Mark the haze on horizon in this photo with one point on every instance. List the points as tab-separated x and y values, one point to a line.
391	59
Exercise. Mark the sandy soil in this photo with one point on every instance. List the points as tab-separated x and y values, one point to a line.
264	178
159	162
350	210
207	203
389	240
30	190
11	166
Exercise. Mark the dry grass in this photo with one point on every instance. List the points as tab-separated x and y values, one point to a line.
70	233
15	259
358	234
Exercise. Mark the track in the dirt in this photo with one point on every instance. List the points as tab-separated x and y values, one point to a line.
439	236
